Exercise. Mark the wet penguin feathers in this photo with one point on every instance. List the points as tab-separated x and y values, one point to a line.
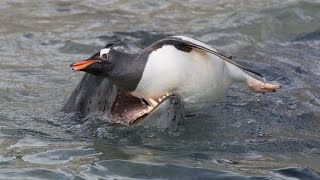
186	44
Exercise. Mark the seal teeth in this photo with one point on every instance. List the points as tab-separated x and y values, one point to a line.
160	99
144	112
163	97
153	103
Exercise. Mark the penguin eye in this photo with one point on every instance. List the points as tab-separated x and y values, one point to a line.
104	54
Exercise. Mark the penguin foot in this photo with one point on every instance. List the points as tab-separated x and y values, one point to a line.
262	87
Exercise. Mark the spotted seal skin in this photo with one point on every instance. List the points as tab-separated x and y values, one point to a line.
92	94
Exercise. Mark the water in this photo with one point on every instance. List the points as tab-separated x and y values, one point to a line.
273	136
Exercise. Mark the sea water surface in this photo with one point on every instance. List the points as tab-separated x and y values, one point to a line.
245	136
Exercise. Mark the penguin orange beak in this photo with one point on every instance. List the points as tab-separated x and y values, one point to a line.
79	66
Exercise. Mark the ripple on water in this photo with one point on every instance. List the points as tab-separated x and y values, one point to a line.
58	156
298	173
4	160
137	170
35	173
29	141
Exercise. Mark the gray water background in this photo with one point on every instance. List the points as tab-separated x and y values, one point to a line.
246	135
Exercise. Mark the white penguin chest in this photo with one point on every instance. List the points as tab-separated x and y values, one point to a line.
198	77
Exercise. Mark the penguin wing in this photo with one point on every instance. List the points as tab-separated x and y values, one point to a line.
187	44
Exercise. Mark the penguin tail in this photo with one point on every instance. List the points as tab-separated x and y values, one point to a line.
258	86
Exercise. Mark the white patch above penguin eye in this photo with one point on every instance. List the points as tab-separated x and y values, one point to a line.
104	51
118	48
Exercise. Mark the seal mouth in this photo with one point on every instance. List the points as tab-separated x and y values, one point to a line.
129	110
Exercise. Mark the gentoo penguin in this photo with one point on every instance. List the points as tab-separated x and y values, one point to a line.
177	65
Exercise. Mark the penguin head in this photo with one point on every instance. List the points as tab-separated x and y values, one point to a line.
104	62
